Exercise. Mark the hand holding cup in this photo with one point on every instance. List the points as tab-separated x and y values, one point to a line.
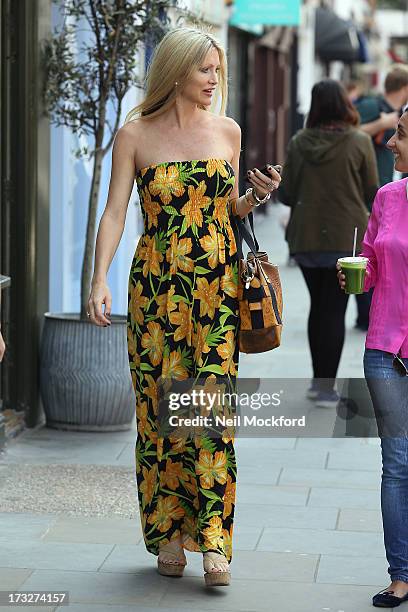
341	277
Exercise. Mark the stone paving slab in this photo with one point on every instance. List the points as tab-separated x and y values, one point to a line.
106	530
13	578
53	555
92	587
328	497
286	516
37	608
24	526
314	477
324	541
280	495
360	520
367	570
121	608
316	458
265	566
257	474
271	596
369	460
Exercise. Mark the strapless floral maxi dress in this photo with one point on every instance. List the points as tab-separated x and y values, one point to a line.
183	322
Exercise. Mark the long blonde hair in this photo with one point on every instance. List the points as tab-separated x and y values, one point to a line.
176	57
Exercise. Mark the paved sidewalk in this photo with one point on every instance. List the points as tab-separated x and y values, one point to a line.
307	534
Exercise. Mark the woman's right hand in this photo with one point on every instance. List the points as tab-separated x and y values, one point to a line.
341	277
100	294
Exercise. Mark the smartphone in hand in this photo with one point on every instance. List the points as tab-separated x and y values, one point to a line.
264	170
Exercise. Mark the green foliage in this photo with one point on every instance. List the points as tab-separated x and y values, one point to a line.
90	61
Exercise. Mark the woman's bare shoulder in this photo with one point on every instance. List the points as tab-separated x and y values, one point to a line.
228	124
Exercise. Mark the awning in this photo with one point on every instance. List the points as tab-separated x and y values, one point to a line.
336	38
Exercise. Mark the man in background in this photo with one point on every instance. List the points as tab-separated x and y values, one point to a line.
379	116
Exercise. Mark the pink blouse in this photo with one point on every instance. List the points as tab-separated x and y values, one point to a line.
385	243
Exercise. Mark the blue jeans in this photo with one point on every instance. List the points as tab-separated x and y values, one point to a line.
389	393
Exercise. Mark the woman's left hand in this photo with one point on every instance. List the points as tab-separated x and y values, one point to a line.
262	183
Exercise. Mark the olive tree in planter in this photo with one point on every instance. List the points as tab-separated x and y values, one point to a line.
89	64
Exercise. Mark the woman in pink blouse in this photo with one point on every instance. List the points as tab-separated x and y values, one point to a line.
386	360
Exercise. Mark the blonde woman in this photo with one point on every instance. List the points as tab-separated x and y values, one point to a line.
183	312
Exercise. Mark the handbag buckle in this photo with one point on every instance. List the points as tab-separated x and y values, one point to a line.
248	274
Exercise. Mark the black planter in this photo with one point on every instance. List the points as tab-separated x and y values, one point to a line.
85	380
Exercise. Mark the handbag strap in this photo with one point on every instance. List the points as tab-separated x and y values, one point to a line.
242	233
250	216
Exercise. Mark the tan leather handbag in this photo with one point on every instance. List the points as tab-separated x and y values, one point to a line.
259	294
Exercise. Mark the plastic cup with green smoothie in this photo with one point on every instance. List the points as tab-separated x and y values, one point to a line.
354	269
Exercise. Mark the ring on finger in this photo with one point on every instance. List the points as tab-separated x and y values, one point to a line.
88	314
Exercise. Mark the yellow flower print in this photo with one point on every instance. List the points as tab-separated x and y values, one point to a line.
232	243
154	341
199	342
176	254
211	467
227	541
229	282
217	165
166	183
197	201
161	301
150	256
229	497
191	486
173	368
148	484
131	343
213	534
173	474
226	352
210	244
143	426
190	526
220	213
170	304
167	509
208	296
178	445
151	391
137	303
152	209
182	318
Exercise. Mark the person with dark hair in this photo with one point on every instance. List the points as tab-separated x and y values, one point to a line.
329	180
379	117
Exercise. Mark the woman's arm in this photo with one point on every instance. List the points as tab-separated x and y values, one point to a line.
112	223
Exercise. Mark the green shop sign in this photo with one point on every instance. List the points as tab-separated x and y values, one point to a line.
265	12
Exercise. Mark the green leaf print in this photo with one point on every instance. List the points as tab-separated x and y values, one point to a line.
186	278
145	367
171	210
214	368
183	228
210	494
186	507
201	270
208	444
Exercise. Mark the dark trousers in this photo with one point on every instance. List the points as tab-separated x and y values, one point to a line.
326	328
363	308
